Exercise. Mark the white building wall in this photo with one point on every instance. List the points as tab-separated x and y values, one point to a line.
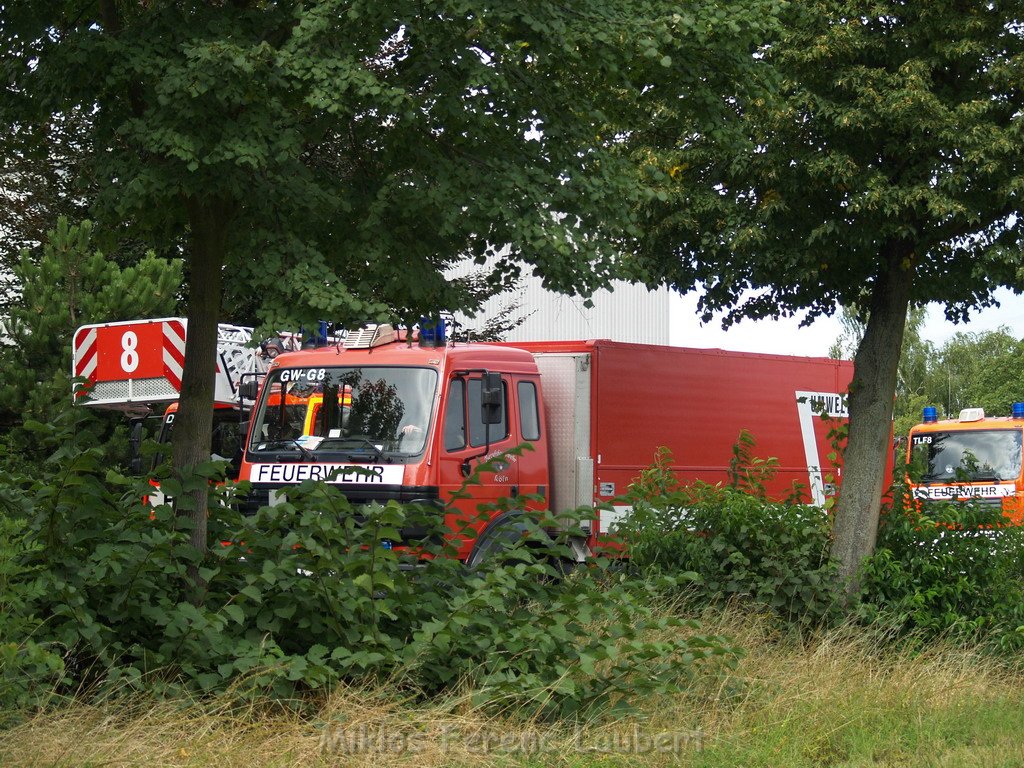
628	313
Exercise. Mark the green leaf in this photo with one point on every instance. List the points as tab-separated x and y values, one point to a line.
235	612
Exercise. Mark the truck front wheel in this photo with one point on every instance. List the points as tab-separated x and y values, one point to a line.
503	532
510	529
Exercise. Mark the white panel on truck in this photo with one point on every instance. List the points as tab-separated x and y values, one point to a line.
565	381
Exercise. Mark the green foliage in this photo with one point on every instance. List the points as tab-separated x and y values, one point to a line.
879	171
332	135
749	473
361	148
40	179
880	132
524	640
968	370
947	572
739	545
311	592
70	283
977	370
29	669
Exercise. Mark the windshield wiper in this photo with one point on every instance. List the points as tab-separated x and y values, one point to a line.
304	452
339	444
307	454
961	480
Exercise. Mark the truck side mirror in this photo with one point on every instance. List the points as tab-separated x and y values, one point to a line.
248	389
491	400
135	447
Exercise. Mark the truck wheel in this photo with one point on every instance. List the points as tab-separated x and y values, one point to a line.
503	533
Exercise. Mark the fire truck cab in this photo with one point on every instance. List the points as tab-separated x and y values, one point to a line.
391	420
973	458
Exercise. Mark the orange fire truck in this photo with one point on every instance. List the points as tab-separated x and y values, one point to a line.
973	458
408	419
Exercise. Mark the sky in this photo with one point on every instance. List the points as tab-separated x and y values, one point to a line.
785	337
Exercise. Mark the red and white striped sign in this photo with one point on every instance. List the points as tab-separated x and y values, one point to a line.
133	351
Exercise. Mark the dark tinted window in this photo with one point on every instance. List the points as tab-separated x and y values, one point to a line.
529	415
455	417
477	434
226	441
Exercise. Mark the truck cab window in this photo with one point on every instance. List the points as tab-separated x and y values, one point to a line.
226	440
455	417
529	414
345	411
463	410
982	455
478	436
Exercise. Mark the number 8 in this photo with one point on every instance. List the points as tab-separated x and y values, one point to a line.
130	357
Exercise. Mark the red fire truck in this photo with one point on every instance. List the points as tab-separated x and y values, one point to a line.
409	420
135	366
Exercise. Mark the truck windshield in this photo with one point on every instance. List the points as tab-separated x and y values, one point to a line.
379	413
965	456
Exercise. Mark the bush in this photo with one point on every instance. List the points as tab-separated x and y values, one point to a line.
948	572
29	668
739	545
311	592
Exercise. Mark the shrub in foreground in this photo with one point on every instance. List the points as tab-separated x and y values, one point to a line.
951	571
739	544
313	592
30	666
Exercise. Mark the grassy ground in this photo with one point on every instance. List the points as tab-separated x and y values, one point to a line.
840	699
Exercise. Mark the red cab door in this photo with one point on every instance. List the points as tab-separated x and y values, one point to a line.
470	460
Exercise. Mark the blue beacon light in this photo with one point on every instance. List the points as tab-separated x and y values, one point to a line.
931	414
432	332
1018	410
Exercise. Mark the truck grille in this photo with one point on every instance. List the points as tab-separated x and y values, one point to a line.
930	506
259	496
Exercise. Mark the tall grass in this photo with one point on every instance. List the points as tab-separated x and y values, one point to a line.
850	697
843	697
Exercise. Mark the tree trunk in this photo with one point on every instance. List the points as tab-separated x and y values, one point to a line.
193	425
871	407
